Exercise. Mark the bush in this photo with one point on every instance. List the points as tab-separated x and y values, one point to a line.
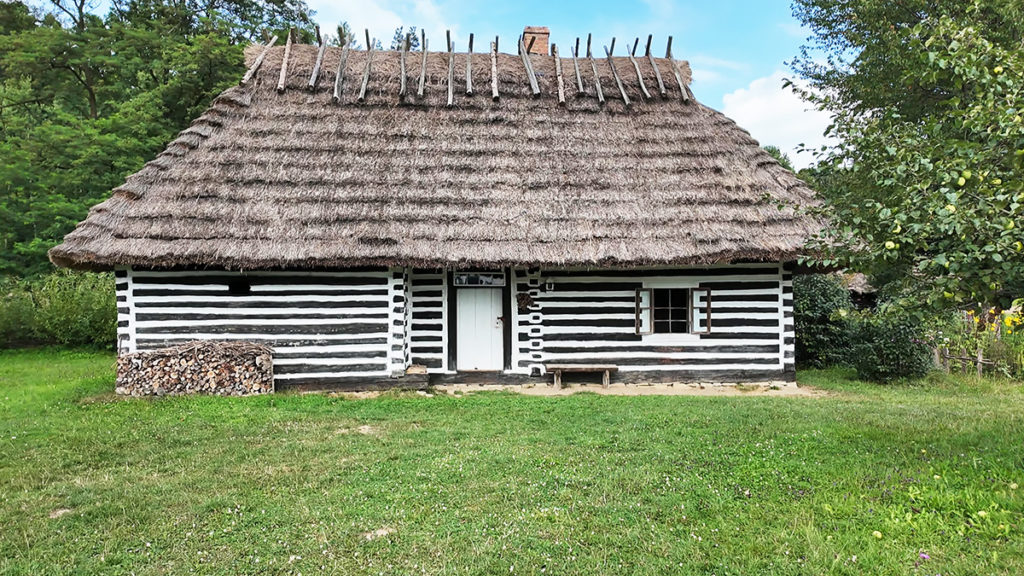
822	333
68	308
888	346
17	315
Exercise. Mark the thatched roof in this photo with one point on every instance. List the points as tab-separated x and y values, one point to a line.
269	179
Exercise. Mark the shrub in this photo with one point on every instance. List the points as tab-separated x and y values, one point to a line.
888	346
68	308
17	315
822	333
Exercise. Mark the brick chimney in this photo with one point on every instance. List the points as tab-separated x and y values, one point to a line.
539	35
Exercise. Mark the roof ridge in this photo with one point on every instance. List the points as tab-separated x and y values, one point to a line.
621	78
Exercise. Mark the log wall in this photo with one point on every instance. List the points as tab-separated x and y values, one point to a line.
373	323
321	325
588	317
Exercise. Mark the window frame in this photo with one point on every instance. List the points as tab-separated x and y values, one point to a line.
692	292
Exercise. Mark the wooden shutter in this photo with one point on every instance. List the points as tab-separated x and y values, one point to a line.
696	294
644	311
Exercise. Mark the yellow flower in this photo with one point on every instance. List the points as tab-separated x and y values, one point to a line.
937	477
950	208
982	513
889	245
1013	485
877	534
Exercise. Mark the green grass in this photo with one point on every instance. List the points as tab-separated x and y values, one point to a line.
498	483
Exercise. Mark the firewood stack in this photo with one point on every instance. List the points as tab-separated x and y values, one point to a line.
201	367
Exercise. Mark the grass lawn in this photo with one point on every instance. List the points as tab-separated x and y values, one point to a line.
868	480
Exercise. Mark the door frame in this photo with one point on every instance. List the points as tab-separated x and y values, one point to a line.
453	311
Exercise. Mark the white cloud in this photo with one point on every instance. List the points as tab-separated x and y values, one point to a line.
381	17
775	115
711	71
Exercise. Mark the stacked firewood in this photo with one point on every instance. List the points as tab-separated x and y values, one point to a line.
201	367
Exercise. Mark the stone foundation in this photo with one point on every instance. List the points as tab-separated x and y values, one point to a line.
219	368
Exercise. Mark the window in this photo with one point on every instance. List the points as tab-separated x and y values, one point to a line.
673	310
239	287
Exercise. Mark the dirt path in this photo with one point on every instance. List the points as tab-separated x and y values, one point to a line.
781	389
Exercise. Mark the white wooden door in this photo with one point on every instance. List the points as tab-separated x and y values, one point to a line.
479	329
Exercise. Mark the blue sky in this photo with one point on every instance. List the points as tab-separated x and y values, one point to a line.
738	49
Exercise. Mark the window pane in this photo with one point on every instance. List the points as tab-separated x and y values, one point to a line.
662	298
679	297
662	314
662	327
679	314
679	327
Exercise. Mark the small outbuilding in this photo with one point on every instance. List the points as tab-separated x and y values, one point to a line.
364	212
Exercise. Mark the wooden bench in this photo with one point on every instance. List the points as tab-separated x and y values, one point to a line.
606	370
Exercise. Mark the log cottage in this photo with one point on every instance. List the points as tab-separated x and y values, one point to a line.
480	214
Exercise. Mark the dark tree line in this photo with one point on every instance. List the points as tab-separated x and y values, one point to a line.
86	99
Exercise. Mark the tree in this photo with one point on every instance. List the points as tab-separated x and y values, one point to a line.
344	36
781	156
930	183
399	38
86	99
860	50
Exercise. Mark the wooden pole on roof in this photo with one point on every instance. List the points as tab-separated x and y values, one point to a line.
284	63
675	71
451	69
657	73
558	75
615	75
639	75
340	76
494	69
257	62
593	66
319	60
469	67
402	91
366	71
423	63
529	67
576	67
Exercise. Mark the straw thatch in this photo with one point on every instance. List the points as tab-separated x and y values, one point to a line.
295	180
